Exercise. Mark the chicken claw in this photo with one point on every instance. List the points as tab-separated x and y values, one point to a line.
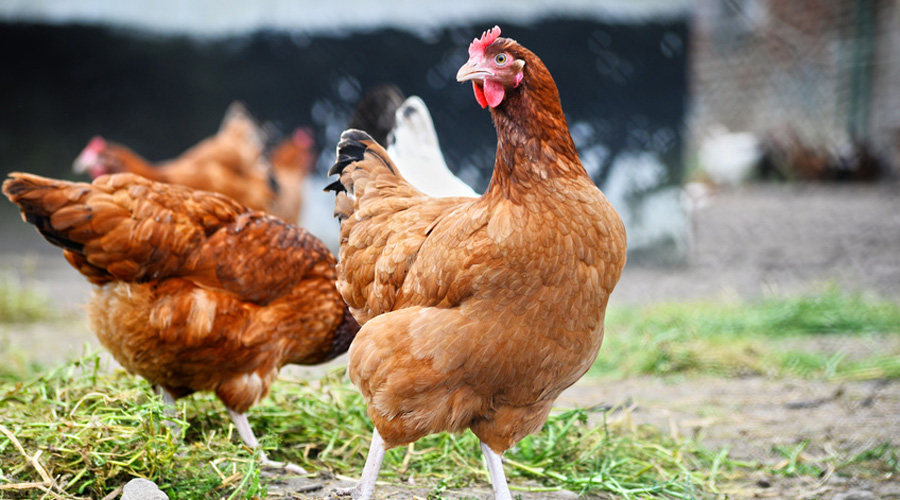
286	466
246	433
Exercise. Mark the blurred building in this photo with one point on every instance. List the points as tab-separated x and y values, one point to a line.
816	81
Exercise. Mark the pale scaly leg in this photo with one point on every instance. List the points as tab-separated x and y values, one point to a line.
167	396
366	485
169	400
243	428
495	469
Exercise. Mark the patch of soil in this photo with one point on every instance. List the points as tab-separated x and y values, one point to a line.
753	417
781	239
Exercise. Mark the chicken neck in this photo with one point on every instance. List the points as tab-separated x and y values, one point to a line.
533	140
123	159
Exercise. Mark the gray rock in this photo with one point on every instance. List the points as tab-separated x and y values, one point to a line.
142	489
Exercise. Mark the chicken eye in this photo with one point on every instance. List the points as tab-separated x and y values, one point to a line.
501	59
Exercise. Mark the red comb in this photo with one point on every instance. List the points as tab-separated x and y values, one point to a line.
479	44
96	145
303	137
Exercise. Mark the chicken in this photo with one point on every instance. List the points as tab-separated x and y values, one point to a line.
406	129
293	159
232	162
194	292
413	146
729	158
476	313
374	112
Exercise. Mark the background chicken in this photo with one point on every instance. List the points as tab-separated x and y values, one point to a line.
414	147
231	162
375	110
194	291
292	159
477	312
405	128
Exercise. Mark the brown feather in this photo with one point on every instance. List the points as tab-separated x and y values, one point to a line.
195	291
231	162
477	313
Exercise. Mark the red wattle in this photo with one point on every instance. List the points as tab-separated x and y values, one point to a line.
494	93
479	95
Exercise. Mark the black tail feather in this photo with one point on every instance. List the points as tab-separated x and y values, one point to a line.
350	149
335	186
42	223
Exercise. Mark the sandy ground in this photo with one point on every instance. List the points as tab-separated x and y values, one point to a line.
750	242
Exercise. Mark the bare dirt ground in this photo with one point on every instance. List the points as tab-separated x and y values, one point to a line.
750	242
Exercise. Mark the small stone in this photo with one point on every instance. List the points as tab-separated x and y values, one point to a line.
142	489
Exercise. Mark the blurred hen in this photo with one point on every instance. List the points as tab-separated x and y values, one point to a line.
231	162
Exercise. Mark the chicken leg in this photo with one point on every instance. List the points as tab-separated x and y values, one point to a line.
495	469
246	433
169	400
366	485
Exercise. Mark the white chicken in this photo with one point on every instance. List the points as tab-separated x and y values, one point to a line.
729	158
413	145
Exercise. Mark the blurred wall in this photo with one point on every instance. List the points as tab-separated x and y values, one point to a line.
203	18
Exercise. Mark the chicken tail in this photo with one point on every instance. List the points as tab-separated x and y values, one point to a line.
39	198
239	122
366	172
122	226
53	208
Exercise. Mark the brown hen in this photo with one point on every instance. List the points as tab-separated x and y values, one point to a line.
231	162
194	291
477	312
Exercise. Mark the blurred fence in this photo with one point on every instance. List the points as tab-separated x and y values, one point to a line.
822	76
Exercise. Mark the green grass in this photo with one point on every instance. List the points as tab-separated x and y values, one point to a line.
21	304
91	431
80	432
738	339
878	461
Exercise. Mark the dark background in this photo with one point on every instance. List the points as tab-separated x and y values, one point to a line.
623	87
161	95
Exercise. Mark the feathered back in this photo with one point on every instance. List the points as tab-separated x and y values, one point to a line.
99	224
370	192
124	227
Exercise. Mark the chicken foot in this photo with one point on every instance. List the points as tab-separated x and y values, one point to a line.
246	433
495	469
366	485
